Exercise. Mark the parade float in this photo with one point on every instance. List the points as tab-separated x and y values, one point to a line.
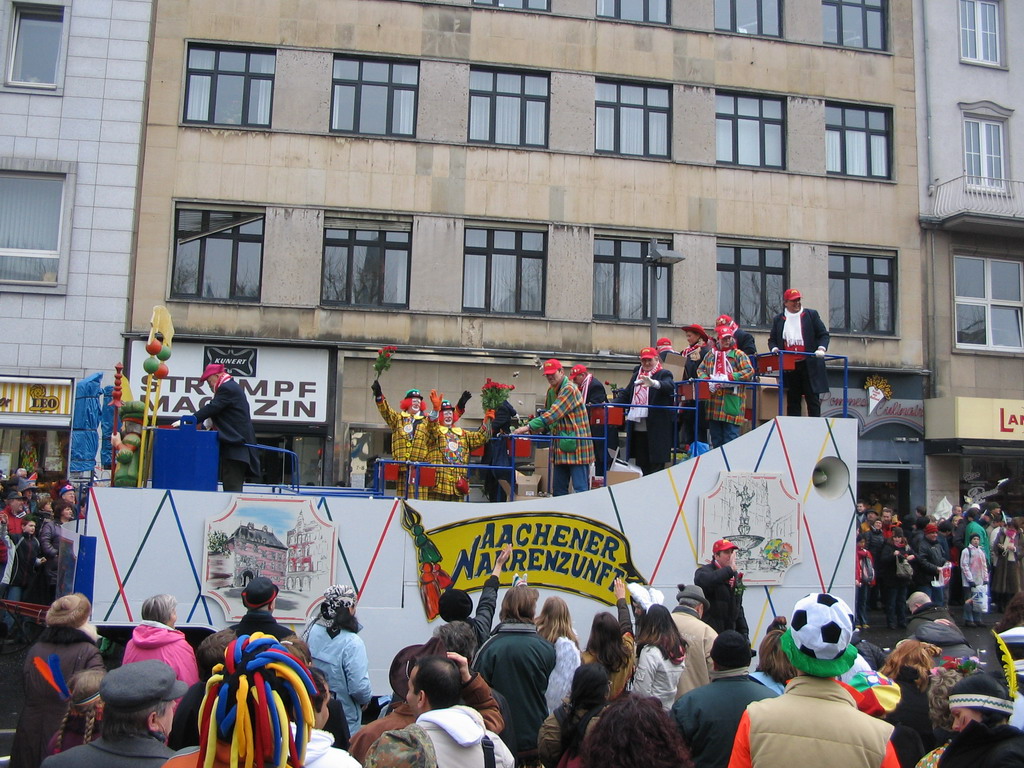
782	493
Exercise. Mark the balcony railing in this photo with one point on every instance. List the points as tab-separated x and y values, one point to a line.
979	195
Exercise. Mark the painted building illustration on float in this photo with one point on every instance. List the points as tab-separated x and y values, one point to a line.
257	552
253	550
281	539
308	555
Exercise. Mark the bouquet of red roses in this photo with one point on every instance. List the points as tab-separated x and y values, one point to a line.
383	361
494	393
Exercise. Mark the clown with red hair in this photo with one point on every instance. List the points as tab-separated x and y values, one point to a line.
409	436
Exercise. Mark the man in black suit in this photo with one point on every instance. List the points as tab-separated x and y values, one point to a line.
594	393
649	430
796	329
259	598
229	411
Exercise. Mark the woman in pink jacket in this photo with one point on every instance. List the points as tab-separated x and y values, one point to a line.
974	570
156	638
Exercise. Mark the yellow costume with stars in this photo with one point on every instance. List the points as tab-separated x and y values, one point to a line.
453	445
409	442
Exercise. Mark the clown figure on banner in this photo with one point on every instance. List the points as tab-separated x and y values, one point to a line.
409	438
453	444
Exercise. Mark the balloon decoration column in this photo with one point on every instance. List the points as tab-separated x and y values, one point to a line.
161	334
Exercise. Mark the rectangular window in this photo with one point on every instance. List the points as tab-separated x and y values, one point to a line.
979	31
227	86
530	5
622	281
857	141
632	119
861	293
31	216
750	283
750	130
35	52
655	11
504	271
508	108
749	17
854	23
989	303
365	267
983	153
218	255
374	97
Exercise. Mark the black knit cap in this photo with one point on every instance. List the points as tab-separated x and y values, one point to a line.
455	605
731	651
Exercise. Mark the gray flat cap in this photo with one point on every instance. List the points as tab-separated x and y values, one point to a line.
693	592
140	684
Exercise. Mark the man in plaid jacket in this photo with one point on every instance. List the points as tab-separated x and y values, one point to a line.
725	363
564	416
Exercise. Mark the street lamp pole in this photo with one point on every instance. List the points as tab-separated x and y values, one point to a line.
658	258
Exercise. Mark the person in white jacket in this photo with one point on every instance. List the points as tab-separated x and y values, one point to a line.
320	749
660	662
455	734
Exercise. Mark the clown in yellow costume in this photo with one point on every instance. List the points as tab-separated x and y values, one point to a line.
409	438
454	445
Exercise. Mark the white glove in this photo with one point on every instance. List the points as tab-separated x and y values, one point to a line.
176	424
775	350
712	388
819	352
644	379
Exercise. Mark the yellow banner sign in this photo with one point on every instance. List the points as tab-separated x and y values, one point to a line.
554	550
35	397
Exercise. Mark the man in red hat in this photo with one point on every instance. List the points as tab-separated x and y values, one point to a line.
724	365
664	347
796	329
409	439
649	429
744	339
723	588
229	411
606	438
697	348
564	416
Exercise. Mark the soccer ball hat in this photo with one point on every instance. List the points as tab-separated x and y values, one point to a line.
818	639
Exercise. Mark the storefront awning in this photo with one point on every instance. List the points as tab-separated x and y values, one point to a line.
862	465
956	447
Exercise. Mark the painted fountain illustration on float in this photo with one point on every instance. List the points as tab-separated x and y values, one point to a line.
760	516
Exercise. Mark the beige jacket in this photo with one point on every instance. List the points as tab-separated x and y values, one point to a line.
816	720
699	638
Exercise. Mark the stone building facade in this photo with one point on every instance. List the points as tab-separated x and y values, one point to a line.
478	183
